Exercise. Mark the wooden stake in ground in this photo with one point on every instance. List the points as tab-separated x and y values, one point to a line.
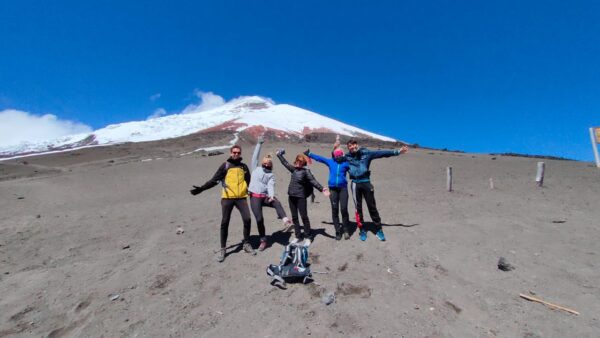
534	299
491	183
449	178
539	178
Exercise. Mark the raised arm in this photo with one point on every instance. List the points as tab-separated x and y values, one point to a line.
256	153
285	163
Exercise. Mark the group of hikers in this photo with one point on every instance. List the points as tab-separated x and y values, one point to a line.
238	182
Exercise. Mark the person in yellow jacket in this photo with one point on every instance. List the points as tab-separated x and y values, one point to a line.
234	177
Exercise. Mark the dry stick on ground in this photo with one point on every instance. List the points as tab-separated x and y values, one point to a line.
534	299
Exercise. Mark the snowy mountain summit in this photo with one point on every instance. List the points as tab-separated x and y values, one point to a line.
253	115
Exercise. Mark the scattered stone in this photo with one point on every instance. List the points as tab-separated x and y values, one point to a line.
215	153
126	247
21	198
504	265
114	296
179	230
559	222
38	216
328	298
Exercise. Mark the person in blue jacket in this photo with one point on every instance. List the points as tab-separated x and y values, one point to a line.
338	187
359	160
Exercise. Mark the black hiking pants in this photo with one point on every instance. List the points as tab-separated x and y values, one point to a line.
339	199
227	205
366	190
298	204
256	204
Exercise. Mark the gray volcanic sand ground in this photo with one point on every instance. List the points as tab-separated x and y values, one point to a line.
75	229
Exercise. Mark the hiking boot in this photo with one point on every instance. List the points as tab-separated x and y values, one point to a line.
263	245
362	235
346	235
221	255
338	235
248	248
307	242
380	235
294	240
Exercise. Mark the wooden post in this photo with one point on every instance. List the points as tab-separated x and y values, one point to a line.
595	145
539	178
449	178
491	183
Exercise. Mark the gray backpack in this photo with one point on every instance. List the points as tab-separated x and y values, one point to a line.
293	266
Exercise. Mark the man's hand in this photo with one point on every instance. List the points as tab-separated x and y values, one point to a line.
196	190
280	151
307	152
326	192
261	139
404	149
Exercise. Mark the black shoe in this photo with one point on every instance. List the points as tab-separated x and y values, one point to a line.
338	236
346	235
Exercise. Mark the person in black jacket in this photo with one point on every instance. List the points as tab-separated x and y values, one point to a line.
234	177
301	183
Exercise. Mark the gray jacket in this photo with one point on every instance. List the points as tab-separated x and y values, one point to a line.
262	181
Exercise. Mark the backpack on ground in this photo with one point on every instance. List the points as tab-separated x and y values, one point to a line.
293	266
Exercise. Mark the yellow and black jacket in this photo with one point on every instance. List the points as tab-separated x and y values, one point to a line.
234	177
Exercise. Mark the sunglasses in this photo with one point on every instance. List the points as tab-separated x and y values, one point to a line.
236	152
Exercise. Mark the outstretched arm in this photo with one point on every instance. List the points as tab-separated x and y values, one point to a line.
285	163
217	177
313	180
373	154
256	153
316	157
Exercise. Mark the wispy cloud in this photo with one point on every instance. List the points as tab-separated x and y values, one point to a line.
157	113
155	97
208	101
19	126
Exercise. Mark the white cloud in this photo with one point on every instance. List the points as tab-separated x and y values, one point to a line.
208	101
155	97
18	126
157	113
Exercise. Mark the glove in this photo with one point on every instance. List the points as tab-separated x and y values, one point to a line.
261	139
307	152
280	151
196	190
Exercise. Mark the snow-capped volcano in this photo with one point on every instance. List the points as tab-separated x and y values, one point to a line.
251	114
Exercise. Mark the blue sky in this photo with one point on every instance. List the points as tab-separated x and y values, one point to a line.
479	76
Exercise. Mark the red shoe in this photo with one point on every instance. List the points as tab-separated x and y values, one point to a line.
263	245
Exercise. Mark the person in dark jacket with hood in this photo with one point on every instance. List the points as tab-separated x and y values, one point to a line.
359	160
234	177
301	183
338	188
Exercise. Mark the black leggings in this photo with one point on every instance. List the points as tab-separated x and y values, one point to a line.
257	203
339	198
366	190
299	204
227	205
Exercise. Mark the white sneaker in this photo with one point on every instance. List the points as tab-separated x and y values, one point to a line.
294	240
307	242
288	225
